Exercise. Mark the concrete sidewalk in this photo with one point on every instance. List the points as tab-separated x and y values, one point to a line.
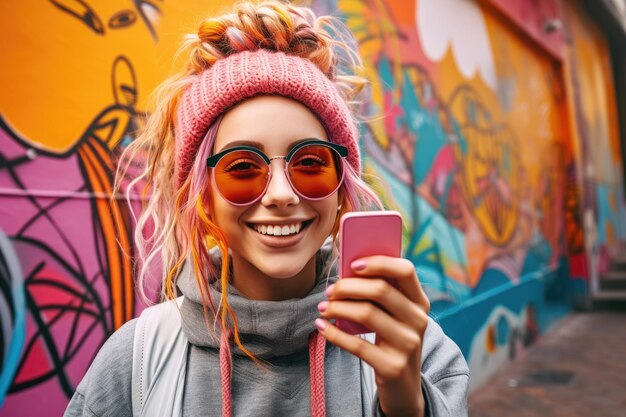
577	369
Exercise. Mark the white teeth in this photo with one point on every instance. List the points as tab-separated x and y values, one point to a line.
278	230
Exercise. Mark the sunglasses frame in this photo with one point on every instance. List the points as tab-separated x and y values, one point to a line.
342	151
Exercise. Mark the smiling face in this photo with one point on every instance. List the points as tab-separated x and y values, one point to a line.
268	264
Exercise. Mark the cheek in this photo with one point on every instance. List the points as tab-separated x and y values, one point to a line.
223	215
219	210
328	212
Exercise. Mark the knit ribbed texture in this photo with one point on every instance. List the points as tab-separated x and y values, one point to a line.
317	350
251	73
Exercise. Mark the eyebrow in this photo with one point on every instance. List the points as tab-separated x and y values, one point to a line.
259	145
234	143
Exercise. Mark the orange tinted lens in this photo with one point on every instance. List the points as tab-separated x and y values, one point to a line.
241	176
315	171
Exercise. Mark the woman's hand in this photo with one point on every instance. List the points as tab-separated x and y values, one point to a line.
399	319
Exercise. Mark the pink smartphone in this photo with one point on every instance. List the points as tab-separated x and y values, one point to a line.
366	233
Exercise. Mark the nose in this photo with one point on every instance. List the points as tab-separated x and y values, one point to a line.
279	191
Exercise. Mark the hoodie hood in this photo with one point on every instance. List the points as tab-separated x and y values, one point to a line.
267	328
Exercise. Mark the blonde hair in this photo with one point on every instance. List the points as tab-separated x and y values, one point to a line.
175	225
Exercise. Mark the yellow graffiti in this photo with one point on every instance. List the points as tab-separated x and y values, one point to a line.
375	31
490	167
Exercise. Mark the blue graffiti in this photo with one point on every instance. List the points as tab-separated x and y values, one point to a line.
13	313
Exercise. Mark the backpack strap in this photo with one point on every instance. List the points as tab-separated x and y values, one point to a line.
368	378
159	361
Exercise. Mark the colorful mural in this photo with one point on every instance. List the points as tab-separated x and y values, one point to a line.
478	133
71	241
471	140
602	201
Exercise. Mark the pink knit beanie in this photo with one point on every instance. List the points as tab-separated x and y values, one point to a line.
251	73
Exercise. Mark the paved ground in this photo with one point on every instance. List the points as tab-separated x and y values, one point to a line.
576	369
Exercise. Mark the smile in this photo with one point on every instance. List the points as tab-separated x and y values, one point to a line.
280	229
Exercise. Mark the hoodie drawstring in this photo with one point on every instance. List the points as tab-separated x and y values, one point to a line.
225	373
317	348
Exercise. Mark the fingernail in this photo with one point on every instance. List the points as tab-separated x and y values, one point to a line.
329	290
320	324
358	265
322	306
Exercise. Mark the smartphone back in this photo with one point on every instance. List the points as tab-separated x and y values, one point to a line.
364	234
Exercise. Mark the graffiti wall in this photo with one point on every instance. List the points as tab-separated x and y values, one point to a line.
74	79
478	131
472	142
598	149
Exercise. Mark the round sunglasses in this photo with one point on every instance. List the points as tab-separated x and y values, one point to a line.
314	168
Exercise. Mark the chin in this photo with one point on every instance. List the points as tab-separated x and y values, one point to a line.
281	269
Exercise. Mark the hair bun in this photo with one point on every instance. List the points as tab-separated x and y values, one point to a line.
269	25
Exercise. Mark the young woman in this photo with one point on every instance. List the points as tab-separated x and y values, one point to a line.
252	157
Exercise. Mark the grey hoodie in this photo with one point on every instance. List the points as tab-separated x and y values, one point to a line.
278	333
